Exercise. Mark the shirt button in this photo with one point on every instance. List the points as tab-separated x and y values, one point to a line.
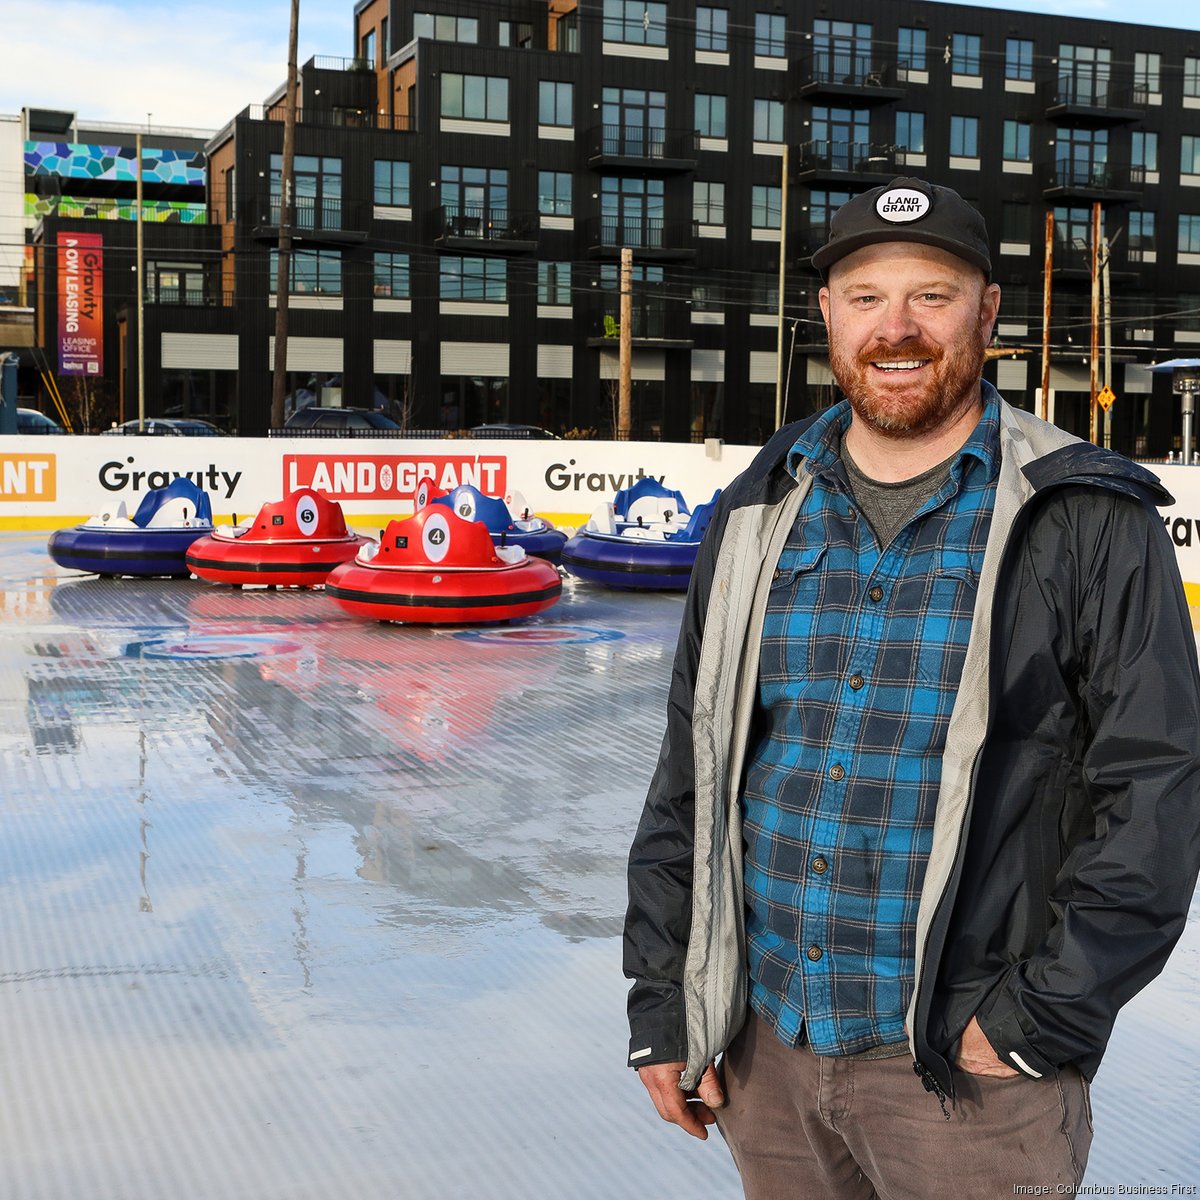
852	514
876	594
837	771
820	865
778	572
856	681
814	953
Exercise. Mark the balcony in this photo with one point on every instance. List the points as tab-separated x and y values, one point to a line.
1071	179
652	239
328	220
481	229
1073	264
648	328
330	118
867	163
1091	100
853	75
638	148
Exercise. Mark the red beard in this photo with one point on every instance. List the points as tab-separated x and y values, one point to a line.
908	408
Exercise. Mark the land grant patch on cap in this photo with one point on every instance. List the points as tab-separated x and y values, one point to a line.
902	205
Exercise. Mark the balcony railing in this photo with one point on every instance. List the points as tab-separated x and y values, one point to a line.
331	118
325	62
1088	175
484	223
649	321
1090	91
851	69
854	158
189	298
311	214
641	142
612	231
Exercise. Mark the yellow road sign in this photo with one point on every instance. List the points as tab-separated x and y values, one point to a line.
1105	398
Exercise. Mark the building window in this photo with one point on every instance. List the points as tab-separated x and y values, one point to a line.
765	207
1144	149
710	115
367	47
635	122
473	279
1147	70
1014	225
821	207
1018	59
554	283
554	193
910	49
769	33
1188	308
556	103
1189	234
707	297
768	120
516	33
910	132
391	276
842	50
1189	155
964	54
964	137
392	183
1191	76
385	45
712	29
174	283
631	211
439	27
1016	141
1083	74
841	136
316	191
474	198
708	202
1081	157
313	272
638	22
1141	234
475	97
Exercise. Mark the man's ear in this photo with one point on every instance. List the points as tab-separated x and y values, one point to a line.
989	309
823	300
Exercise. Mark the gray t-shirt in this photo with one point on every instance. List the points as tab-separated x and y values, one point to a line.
890	506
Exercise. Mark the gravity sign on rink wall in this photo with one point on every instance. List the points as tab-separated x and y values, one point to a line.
53	482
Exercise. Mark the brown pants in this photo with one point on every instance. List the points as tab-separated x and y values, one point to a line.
802	1127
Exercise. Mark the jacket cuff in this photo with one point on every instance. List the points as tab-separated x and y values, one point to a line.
650	1044
1012	1047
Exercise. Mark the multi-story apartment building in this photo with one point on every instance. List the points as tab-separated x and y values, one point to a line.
465	185
75	272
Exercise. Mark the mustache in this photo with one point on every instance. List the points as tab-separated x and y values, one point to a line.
915	350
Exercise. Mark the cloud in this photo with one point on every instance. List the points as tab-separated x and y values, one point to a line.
188	65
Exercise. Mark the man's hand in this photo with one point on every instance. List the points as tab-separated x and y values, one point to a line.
691	1111
976	1056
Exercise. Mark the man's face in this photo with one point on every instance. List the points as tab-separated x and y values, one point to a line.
908	325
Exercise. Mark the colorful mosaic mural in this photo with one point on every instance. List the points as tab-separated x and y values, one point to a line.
163	212
73	160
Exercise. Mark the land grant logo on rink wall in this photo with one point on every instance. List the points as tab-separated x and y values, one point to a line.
28	477
81	303
392	476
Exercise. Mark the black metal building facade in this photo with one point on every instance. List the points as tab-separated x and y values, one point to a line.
465	185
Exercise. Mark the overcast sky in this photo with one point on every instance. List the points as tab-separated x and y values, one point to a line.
196	65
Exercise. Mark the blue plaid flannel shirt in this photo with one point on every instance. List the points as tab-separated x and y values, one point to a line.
862	651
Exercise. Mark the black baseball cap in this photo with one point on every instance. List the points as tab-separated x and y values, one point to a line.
907	210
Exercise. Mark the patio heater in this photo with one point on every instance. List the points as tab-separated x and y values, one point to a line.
1185	383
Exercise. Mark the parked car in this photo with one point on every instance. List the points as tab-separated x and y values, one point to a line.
502	429
30	420
169	427
338	419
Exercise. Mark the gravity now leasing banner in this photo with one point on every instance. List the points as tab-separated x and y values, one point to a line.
81	304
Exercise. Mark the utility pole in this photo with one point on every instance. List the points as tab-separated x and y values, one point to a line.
783	207
141	294
625	348
1047	278
1095	347
1107	288
284	273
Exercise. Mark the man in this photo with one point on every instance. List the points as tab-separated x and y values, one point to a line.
928	792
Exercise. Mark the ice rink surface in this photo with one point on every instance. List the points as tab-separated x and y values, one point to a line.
302	907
